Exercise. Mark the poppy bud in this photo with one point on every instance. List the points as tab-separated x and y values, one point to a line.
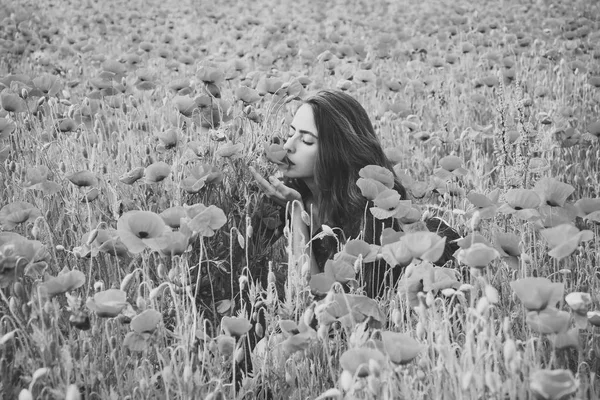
140	302
397	317
346	380
510	351
13	305
482	305
259	330
143	385
19	290
41	101
35	232
24	94
25	395
98	286
162	271
187	373
242	281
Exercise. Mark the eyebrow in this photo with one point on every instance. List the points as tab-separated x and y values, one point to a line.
304	132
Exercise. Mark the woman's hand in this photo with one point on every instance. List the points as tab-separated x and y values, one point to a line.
275	189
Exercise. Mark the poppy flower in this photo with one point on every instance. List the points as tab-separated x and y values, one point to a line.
550	217
185	105
379	174
579	302
358	360
275	153
507	245
114	67
18	212
594	129
486	205
424	277
156	172
201	175
364	76
83	178
172	216
341	269
321	284
12	266
521	203
388	204
400	347
141	229
168	139
594	317
268	85
298	342
225	344
48	84
553	192
423	245
370	188
90	195
208	74
6	128
67	125
537	294
450	166
555	384
16	245
62	283
108	303
11	102
567	137
231	150
136	341
115	247
548	321
204	220
564	239
478	255
18	256
588	208
567	339
146	322
172	244
235	326
179	84
132	176
247	95
349	307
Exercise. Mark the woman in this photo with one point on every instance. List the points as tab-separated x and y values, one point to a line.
330	140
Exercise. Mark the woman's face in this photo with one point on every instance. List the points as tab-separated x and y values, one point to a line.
302	145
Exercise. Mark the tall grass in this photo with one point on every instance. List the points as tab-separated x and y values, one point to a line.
479	81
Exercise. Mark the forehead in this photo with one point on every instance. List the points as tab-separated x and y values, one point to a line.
304	119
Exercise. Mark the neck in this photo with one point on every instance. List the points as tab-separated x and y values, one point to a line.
312	186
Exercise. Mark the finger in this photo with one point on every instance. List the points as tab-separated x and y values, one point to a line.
277	184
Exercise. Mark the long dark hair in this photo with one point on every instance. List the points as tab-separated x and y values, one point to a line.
347	143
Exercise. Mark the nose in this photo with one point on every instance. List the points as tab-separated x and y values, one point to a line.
290	144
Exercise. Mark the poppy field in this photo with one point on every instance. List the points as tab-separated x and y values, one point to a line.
139	259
